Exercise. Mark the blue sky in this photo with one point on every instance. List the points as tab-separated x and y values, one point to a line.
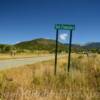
22	20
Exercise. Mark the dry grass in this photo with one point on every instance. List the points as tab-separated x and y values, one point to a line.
20	55
37	82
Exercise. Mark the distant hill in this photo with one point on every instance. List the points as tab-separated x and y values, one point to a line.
49	45
92	45
40	44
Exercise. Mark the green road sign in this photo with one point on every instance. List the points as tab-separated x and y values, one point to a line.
64	27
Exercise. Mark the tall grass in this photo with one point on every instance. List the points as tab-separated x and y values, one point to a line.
81	83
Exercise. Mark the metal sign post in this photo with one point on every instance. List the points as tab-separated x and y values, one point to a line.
63	27
56	52
70	45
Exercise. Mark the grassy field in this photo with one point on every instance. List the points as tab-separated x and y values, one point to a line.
37	81
19	55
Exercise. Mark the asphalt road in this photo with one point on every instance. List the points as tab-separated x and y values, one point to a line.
11	63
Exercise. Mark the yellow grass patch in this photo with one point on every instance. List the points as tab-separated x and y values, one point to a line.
81	83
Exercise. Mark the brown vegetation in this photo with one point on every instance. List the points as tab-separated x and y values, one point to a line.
37	82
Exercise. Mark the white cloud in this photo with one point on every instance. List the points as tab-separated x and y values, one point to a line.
18	42
63	36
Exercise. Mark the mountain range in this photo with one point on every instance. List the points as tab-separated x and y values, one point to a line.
49	45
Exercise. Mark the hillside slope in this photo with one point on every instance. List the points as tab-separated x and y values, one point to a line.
48	45
40	44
